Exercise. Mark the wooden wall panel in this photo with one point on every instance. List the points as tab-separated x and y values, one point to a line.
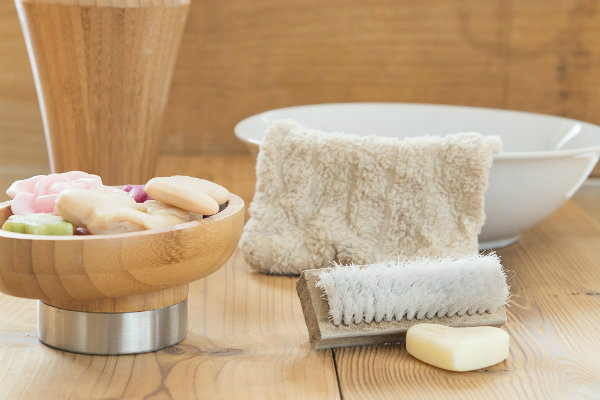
21	131
240	57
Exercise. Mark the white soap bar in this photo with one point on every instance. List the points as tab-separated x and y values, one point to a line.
180	193
457	349
217	192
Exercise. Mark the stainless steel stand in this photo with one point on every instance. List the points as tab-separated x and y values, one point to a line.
112	333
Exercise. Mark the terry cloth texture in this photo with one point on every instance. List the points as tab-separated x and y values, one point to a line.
331	197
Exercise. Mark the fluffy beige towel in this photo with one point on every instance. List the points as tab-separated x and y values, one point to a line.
323	197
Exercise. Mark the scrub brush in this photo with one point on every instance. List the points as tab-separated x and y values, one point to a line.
359	305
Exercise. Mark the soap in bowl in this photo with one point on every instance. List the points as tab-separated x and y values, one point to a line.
544	161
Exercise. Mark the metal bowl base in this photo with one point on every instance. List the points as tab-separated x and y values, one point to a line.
112	333
498	244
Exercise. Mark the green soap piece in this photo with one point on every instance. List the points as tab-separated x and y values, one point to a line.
38	224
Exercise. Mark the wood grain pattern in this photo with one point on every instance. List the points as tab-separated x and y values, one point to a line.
247	336
554	278
588	198
114	3
246	339
102	71
104	272
324	335
239	58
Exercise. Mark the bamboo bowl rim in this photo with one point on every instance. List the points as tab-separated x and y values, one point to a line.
233	205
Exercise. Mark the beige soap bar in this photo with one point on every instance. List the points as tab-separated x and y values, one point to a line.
457	349
183	194
156	207
216	191
103	212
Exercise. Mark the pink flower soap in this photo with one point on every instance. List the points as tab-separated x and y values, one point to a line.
38	194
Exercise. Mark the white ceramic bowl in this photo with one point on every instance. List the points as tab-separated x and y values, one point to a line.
545	158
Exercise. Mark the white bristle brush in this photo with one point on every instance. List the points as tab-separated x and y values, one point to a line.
357	305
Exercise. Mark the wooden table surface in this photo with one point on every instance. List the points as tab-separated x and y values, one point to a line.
247	337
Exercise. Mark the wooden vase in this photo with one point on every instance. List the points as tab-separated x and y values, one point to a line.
102	70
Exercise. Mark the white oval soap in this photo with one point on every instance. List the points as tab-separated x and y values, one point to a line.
457	349
181	193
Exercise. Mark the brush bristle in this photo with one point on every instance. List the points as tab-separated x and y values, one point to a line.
415	289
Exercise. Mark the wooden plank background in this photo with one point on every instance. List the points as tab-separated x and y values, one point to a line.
239	58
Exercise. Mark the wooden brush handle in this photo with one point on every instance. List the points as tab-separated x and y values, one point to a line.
102	70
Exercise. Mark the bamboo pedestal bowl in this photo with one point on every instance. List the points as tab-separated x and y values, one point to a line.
116	294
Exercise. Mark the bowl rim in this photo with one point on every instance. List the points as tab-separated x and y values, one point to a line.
511	155
234	205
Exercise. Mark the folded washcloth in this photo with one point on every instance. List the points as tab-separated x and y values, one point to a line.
323	197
